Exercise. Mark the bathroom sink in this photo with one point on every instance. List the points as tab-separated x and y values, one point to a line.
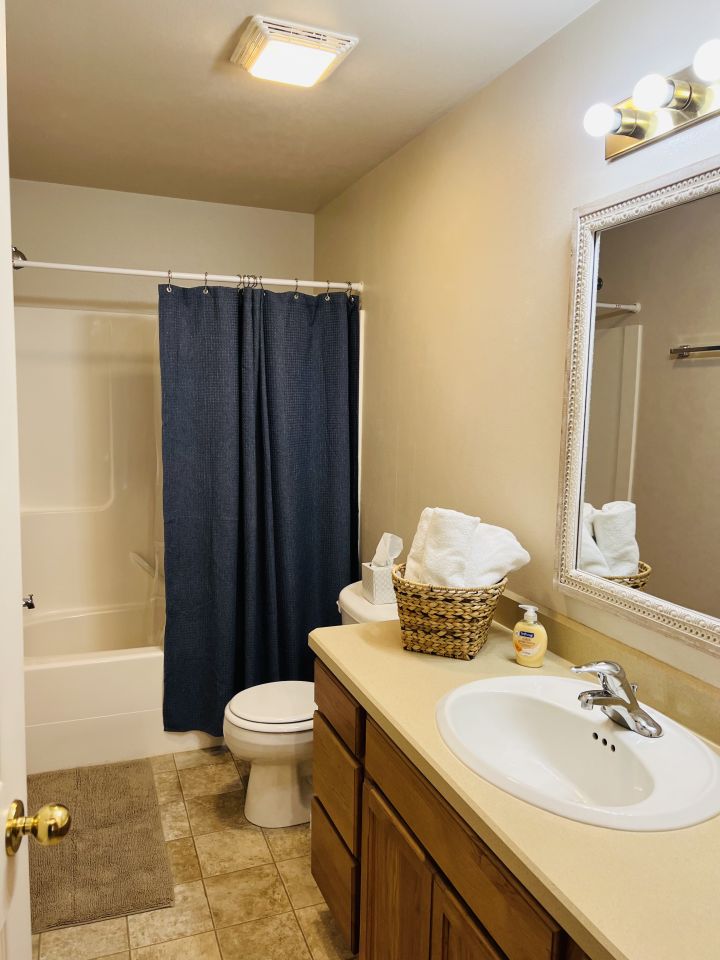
530	737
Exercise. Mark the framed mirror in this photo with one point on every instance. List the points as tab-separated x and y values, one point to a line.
639	504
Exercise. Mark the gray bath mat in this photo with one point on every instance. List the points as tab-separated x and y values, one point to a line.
113	861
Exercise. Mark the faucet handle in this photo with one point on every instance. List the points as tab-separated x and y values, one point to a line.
602	669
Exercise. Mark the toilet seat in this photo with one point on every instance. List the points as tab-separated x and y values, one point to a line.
284	706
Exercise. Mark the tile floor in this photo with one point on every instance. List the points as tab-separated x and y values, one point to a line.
242	893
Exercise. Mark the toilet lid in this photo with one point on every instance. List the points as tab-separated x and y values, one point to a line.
285	701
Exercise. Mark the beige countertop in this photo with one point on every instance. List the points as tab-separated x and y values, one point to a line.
619	894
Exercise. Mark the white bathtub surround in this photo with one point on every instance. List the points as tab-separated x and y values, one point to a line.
98	707
79	632
270	725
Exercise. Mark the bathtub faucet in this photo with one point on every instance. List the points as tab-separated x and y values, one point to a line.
28	602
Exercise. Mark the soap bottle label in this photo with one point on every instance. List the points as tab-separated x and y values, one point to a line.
525	643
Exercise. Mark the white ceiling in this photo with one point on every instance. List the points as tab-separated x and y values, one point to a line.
139	95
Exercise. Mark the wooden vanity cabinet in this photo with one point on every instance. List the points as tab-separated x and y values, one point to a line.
407	910
396	884
338	744
404	876
455	934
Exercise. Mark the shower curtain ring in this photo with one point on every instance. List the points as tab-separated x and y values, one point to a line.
261	285
254	280
327	292
205	288
296	295
169	283
348	292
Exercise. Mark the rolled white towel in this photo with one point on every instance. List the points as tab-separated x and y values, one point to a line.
591	559
614	528
415	564
494	552
447	543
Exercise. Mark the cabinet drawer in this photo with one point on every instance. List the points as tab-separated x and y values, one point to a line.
512	917
455	935
341	710
337	874
337	782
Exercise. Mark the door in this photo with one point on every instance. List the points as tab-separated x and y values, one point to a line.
455	934
14	889
396	886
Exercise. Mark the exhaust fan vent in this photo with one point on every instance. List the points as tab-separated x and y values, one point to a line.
290	52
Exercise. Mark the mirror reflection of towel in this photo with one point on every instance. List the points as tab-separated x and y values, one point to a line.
614	528
591	559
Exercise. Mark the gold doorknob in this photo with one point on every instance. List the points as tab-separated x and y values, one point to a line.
49	825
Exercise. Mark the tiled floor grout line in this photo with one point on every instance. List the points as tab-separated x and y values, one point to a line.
217	941
302	934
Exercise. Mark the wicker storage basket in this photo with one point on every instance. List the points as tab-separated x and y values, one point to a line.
636	580
446	621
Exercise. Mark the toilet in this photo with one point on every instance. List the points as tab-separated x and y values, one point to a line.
354	608
270	726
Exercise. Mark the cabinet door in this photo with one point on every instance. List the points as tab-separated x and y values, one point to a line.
455	934
396	887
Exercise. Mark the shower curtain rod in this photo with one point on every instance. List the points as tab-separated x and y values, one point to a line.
20	261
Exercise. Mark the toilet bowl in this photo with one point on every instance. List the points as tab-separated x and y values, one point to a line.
270	726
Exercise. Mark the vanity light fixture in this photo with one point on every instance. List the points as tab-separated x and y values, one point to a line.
288	52
660	105
706	64
602	119
655	92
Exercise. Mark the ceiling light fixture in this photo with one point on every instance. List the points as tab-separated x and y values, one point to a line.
289	52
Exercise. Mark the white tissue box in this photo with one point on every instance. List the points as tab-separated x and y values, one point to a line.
377	584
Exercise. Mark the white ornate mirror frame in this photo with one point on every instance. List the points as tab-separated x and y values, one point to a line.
671	619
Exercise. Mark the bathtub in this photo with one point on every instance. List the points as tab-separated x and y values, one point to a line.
93	690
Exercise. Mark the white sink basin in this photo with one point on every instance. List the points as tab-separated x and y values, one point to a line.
530	736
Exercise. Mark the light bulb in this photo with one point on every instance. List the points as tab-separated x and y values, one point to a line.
602	119
707	61
653	92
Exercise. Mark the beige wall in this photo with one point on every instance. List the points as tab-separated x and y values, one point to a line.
88	386
677	459
463	241
82	225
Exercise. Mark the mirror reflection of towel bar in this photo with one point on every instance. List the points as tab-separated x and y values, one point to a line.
621	307
684	350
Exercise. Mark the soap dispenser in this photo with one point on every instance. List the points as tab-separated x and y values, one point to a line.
529	638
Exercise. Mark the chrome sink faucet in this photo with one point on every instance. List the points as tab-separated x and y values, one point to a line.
617	698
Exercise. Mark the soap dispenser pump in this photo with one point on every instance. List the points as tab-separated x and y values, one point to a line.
529	638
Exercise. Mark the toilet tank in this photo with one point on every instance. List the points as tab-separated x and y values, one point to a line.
354	608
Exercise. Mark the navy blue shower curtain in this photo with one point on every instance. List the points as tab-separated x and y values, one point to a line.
259	421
